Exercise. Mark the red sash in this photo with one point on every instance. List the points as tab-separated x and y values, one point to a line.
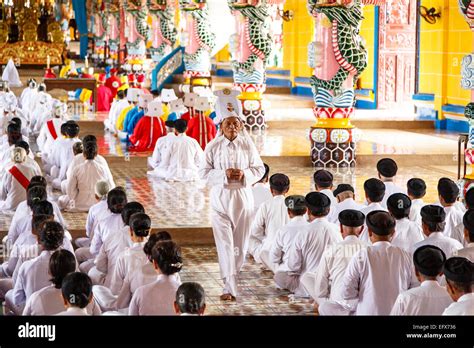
51	129
18	175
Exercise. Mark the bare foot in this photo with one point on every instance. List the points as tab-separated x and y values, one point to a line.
227	297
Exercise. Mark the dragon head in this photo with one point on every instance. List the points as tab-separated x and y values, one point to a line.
192	5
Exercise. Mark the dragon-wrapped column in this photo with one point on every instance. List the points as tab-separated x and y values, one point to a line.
338	57
199	41
163	31
250	47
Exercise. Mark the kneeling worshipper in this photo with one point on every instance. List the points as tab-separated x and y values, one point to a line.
468	226
149	129
376	275
50	131
309	245
387	170
430	298
136	115
132	97
261	189
49	300
277	260
80	190
416	190
76	291
15	181
459	273
345	198
161	147
325	285
231	166
201	127
105	95
118	105
182	158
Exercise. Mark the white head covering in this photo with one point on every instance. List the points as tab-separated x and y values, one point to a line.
177	106
11	75
227	105
168	95
202	104
189	99
144	100
133	94
154	109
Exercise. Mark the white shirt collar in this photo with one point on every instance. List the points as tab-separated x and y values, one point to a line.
436	235
77	310
351	238
430	283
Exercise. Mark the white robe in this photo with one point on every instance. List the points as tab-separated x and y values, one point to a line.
49	301
231	201
261	193
454	218
156	298
74	311
305	254
463	306
467	252
115	110
97	212
348	203
430	298
12	192
112	223
390	189
81	185
284	240
45	140
448	245
62	156
407	234
181	160
161	148
332	216
415	210
271	216
326	283
376	276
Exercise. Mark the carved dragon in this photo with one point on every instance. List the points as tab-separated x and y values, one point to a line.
166	32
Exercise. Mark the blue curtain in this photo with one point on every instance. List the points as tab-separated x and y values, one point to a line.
80	12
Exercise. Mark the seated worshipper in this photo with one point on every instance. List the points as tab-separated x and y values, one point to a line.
113	81
96	212
4	138
10	74
261	189
182	158
468	224
459	273
188	102
190	299
116	200
41	112
374	194
49	132
33	274
149	129
15	181
309	245
113	243
448	192
326	283
323	181
76	291
21	221
79	159
445	183
48	300
433	222
118	105
81	185
271	216
459	232
132	97
277	259
132	118
10	111
30	160
13	136
407	233
46	158
28	94
61	152
430	298
104	95
345	198
416	190
201	127
132	267
387	170
158	298
161	147
376	275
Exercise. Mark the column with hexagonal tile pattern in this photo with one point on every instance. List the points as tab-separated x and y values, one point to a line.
338	57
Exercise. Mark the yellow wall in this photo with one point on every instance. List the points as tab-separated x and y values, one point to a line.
442	47
298	33
367	32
